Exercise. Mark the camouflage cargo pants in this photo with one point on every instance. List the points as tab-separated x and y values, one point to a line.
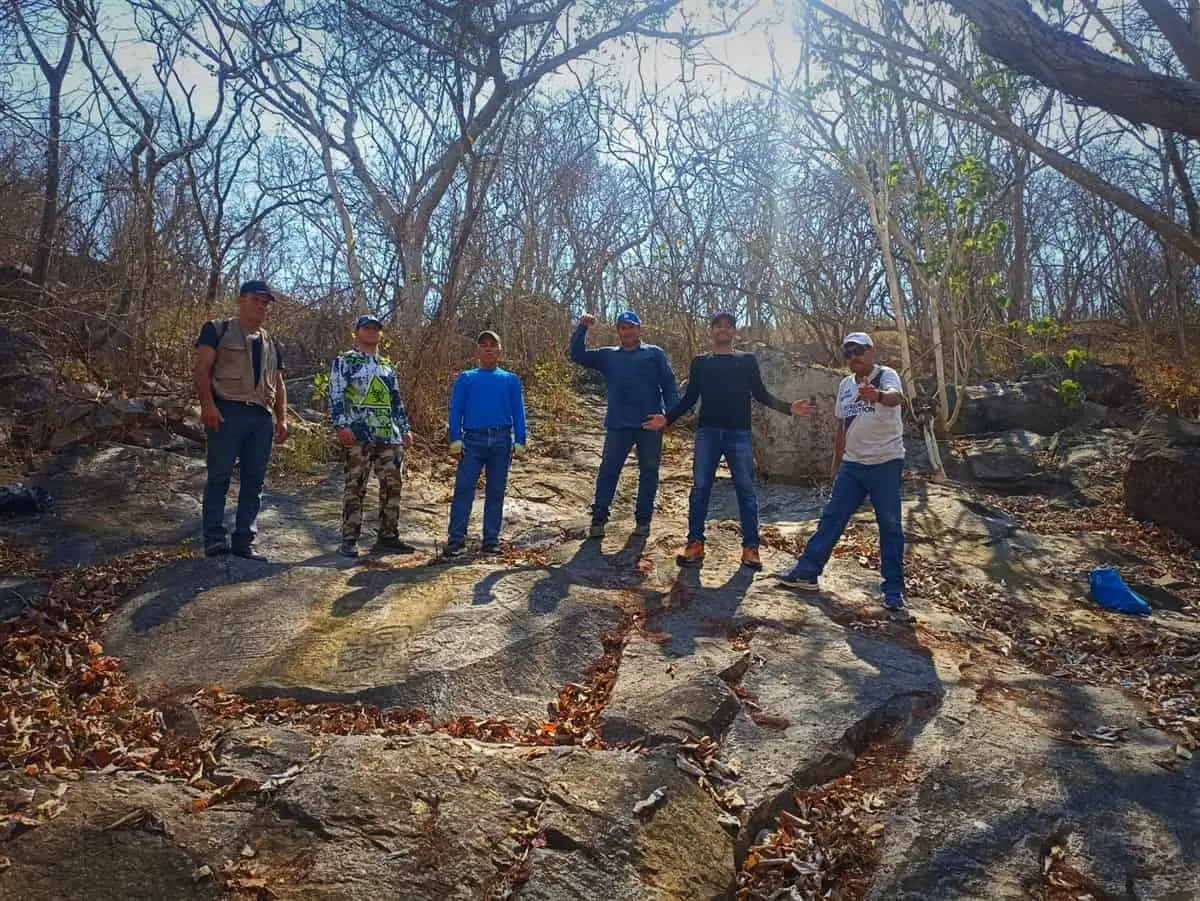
388	462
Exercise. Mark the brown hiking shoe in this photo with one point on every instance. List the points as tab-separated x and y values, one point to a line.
693	554
750	558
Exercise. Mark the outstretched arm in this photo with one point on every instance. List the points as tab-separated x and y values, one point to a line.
760	392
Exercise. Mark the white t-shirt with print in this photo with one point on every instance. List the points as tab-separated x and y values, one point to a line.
874	432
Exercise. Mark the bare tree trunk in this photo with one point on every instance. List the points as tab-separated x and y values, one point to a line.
54	75
1018	275
347	222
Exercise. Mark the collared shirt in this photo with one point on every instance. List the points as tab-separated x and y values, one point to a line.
487	398
364	397
639	382
874	432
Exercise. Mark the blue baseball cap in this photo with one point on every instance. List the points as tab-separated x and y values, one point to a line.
256	286
726	315
367	319
629	318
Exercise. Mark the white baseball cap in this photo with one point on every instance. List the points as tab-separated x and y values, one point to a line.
858	338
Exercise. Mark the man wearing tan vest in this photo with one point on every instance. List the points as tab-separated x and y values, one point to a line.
243	404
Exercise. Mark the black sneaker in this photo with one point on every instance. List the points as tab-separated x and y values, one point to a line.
248	554
349	549
453	551
393	545
217	550
490	549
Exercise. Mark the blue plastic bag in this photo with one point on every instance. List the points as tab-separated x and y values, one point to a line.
1109	590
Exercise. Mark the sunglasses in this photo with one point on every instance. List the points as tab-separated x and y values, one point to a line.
854	350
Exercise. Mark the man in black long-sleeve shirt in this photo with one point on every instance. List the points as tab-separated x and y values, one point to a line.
724	382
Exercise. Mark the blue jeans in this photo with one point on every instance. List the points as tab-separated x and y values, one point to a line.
245	436
735	445
617	445
483	449
854	483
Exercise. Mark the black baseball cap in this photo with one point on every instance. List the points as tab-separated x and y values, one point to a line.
487	335
256	286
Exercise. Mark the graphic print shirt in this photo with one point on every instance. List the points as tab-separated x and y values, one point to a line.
874	432
365	398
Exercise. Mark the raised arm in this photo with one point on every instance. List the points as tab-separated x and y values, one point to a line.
592	359
760	392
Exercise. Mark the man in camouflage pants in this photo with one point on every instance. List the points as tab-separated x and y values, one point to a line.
372	426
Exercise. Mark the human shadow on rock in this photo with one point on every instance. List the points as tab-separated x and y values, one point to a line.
589	567
690	610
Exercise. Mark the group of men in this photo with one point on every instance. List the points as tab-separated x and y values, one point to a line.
239	376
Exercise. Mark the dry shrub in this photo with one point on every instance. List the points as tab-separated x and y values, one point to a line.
1171	388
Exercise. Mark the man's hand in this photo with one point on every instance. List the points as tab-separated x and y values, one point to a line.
869	393
281	431
587	319
345	437
455	449
211	417
655	423
406	439
803	408
518	451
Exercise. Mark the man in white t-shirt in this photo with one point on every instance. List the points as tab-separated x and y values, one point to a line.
869	459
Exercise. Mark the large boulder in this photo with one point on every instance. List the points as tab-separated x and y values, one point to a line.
1005	462
1031	404
27	375
787	448
1160	482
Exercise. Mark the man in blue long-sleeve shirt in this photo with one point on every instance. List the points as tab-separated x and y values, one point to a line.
640	384
487	429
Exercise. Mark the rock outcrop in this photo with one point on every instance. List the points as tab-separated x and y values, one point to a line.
787	448
1161	483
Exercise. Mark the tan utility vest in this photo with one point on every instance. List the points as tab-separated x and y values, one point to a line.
233	371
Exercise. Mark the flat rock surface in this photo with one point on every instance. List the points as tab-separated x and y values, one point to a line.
994	766
436	818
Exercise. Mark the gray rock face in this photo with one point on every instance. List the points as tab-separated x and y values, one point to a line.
435	818
454	641
788	448
1006	783
1031	404
786	690
17	593
111	500
1003	462
1161	484
27	375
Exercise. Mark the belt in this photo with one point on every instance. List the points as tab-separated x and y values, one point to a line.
490	428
